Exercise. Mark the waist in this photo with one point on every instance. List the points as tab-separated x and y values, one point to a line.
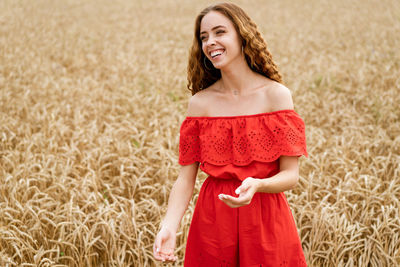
223	178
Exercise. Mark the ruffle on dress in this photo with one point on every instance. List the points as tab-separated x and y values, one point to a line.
239	140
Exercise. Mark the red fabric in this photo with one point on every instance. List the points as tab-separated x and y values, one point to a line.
230	149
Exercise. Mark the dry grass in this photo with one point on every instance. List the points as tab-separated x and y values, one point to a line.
92	94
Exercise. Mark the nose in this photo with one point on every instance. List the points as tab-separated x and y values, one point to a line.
210	41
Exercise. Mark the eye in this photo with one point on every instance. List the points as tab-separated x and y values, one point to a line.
202	38
220	31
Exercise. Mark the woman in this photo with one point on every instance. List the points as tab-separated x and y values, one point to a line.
242	128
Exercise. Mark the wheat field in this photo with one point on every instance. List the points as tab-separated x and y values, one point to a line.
92	94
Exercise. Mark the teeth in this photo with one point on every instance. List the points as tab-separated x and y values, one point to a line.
216	53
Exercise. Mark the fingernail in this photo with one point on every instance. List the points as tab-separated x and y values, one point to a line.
158	250
237	191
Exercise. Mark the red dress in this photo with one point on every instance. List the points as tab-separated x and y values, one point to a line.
230	149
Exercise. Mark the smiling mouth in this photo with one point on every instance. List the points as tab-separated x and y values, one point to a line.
216	53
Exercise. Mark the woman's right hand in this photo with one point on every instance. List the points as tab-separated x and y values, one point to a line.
164	245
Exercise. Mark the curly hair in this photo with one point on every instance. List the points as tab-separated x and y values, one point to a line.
257	56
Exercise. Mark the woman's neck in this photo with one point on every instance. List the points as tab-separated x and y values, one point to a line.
238	78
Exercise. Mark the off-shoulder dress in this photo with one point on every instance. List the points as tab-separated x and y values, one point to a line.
230	149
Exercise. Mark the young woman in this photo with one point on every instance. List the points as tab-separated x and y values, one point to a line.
242	130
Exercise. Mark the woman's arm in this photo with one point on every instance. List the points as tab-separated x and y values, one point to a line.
286	179
182	189
181	193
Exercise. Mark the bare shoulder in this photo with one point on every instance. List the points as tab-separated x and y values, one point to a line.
197	104
279	97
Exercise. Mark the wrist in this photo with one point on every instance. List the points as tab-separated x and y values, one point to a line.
170	227
261	185
258	183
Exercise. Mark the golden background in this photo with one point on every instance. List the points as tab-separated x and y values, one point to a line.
92	94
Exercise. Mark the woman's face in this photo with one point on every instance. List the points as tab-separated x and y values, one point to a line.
220	41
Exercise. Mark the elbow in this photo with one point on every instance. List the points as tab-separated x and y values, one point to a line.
294	181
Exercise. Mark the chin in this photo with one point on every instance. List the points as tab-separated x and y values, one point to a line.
223	64
219	66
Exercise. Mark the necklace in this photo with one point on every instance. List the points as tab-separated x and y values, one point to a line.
236	92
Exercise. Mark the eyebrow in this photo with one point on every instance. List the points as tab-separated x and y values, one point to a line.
216	27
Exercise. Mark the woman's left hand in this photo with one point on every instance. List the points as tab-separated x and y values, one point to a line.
245	191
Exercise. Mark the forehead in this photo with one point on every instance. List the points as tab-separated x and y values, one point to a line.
212	19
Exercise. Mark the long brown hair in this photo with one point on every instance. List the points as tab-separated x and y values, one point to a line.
257	56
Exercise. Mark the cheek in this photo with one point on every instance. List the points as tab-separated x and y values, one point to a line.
203	48
230	41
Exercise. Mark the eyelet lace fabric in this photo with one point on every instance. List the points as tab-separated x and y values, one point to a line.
239	140
230	149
